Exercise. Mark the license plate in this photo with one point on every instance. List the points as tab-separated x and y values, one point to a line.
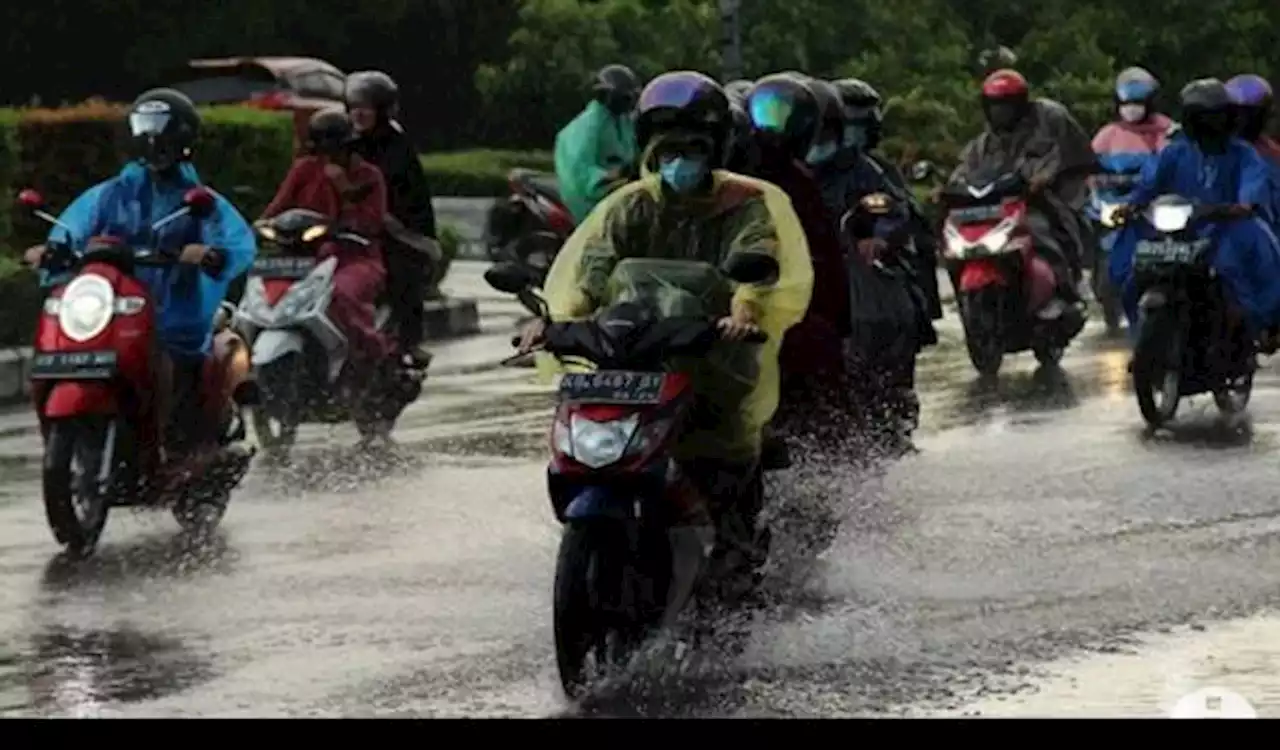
1169	251
73	365
977	214
612	387
283	267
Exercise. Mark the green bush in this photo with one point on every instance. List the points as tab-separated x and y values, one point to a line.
479	173
22	303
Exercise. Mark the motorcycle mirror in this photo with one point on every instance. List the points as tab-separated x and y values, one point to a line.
199	201
31	200
751	268
508	278
922	170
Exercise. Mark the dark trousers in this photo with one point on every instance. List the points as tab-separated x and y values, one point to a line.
187	423
406	292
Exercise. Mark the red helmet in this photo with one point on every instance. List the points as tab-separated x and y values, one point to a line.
1005	99
1005	84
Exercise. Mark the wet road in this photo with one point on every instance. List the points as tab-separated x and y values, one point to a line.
1037	521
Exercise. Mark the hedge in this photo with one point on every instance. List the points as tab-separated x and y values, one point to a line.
480	173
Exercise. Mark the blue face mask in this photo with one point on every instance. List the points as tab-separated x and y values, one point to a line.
820	153
683	173
855	136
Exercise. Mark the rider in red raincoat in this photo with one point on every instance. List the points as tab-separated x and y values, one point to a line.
333	181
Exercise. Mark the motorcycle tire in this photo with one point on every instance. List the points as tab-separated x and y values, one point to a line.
76	503
1157	366
590	636
980	315
276	420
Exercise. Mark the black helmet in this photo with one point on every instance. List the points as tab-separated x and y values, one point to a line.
785	111
830	108
375	90
616	87
163	125
1207	112
330	131
737	90
739	135
862	109
688	102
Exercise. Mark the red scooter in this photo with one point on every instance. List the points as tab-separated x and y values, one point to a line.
1005	291
530	225
99	385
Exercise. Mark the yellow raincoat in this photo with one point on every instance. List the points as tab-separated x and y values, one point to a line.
741	214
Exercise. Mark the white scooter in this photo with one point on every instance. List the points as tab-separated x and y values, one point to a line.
300	356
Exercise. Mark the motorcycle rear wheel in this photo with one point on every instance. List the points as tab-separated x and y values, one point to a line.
1157	367
588	596
76	502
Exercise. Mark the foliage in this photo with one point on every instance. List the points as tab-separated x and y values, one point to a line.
924	61
480	173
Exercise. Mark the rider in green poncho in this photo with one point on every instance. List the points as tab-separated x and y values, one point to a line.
596	152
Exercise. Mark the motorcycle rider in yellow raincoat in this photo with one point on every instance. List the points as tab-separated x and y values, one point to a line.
682	214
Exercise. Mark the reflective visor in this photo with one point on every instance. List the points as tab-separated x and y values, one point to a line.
673	91
148	123
770	109
1248	90
1134	91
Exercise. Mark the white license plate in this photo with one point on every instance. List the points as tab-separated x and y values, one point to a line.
1169	251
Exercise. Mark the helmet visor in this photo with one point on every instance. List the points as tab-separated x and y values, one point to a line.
770	109
149	119
1247	90
671	92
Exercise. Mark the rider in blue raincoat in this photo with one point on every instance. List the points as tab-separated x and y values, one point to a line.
1206	164
163	125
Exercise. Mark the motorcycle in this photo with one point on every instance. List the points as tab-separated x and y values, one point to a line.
298	354
1188	342
530	225
1104	196
1004	290
610	461
96	373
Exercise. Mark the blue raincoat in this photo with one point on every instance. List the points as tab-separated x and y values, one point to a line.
187	298
1247	253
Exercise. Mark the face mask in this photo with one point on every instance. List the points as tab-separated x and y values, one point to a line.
1133	112
855	136
821	152
683	173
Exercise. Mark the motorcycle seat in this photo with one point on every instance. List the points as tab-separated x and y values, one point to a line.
538	182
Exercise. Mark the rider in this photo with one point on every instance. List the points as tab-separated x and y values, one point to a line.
684	209
332	180
864	127
1039	140
163	127
784	113
1130	142
738	154
373	101
1206	164
596	151
1251	98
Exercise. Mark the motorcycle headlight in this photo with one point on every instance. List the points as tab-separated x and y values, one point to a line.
314	233
86	308
998	238
1170	218
598	444
268	233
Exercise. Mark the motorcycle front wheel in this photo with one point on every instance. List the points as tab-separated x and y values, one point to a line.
592	632
980	315
276	418
76	497
1157	366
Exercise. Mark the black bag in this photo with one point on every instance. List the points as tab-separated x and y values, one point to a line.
886	308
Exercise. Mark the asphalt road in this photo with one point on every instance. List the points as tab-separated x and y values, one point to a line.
1038	520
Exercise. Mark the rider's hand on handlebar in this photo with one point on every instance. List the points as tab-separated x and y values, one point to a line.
737	326
1038	183
33	255
1239	210
531	335
194	254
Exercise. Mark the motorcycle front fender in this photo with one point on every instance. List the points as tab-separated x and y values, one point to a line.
76	398
980	274
273	344
599	502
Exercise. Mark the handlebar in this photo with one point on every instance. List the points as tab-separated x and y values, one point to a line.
754	337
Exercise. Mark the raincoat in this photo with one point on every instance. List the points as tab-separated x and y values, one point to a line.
1048	141
186	297
587	149
1270	151
637	223
1124	148
1247	253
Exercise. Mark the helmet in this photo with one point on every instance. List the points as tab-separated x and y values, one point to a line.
1135	85
163	125
739	133
1006	99
737	90
1251	97
864	121
687	102
996	58
829	133
616	87
786	111
375	90
330	131
1207	112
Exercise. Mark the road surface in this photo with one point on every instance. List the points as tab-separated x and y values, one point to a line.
1037	528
